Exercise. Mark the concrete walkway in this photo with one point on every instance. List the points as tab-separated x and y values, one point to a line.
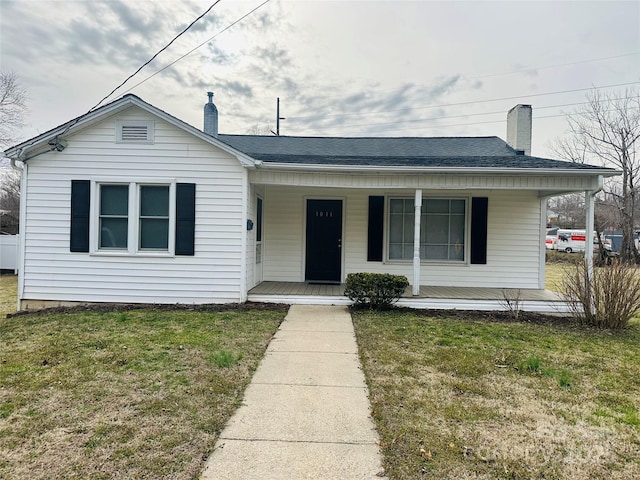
305	414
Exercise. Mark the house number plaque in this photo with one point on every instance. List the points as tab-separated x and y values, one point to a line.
323	214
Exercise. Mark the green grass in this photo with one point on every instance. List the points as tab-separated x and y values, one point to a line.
457	397
554	274
135	394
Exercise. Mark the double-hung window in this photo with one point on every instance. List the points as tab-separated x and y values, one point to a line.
154	217
135	217
113	217
150	217
442	229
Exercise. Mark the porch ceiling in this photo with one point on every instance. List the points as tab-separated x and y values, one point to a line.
530	180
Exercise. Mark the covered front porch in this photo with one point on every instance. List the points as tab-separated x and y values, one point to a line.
429	297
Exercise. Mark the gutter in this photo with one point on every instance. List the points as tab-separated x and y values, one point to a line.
413	170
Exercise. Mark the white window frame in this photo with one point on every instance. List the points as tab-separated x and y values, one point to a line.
467	227
133	233
149	124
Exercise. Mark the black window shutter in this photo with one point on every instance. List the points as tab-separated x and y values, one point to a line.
80	198
376	222
185	218
479	211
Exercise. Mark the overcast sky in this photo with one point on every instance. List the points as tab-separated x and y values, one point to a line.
356	68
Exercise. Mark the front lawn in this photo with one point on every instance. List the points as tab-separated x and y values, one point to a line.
459	396
123	394
554	275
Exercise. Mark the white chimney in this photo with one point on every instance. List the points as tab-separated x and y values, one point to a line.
210	117
519	128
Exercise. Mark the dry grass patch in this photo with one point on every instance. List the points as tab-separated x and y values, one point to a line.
135	394
462	398
8	294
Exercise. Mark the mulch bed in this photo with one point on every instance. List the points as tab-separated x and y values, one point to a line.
125	307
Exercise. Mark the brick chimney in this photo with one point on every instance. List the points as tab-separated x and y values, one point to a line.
519	128
210	117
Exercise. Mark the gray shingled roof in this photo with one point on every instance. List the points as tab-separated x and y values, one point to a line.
463	152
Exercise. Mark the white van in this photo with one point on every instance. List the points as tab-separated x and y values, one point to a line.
572	240
551	239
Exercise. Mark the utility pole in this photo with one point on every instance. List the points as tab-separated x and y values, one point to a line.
278	117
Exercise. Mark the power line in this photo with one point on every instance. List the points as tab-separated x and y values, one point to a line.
526	69
470	124
199	46
157	53
71	124
512	72
517	97
430	119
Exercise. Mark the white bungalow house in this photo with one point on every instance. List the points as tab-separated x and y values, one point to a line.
129	204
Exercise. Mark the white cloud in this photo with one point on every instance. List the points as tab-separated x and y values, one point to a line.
340	68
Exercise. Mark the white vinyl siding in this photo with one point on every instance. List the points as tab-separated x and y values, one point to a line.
212	275
513	251
282	254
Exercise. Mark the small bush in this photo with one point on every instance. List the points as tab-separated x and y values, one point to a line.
609	299
555	256
378	290
512	302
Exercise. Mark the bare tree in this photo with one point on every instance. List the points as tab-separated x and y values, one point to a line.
9	200
12	108
12	111
570	210
258	129
607	131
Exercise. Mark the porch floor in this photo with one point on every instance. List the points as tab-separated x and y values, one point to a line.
466	293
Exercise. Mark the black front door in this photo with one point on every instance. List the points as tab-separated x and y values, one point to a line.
324	240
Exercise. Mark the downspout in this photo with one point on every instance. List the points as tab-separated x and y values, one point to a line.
21	224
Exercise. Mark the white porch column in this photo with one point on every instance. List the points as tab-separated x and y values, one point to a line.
589	199
543	248
416	243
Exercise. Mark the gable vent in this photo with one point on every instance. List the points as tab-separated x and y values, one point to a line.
134	131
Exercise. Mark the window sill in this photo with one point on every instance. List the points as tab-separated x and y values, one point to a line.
444	263
106	253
